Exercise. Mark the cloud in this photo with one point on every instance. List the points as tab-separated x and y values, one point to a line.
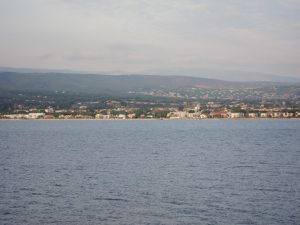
152	35
47	56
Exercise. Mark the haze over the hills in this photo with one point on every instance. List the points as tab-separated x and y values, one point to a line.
229	40
98	84
112	84
235	76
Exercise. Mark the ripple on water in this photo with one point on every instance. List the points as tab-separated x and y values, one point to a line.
158	172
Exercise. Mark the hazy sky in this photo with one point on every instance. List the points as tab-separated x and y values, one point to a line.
152	36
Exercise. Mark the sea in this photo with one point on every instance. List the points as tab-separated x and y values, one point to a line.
150	172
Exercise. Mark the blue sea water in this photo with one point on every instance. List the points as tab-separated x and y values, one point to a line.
150	172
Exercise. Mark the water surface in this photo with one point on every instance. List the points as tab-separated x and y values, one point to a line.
150	172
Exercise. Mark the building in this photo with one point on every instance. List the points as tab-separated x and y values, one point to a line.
276	114
122	116
252	115
177	115
99	116
234	115
197	108
264	115
203	116
220	114
131	116
49	110
35	115
48	117
15	116
287	114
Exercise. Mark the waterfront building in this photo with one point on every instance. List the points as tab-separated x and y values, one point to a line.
252	115
236	115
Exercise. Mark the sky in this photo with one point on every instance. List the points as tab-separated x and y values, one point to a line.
184	37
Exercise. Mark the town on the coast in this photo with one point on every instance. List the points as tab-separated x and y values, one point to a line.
115	110
103	97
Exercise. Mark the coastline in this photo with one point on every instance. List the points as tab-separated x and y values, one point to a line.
153	119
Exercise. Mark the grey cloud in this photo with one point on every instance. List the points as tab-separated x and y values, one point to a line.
47	56
152	35
114	53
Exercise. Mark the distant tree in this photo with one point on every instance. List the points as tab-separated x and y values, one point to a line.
118	112
140	112
104	112
161	114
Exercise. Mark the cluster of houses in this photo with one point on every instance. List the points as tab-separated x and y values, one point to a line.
24	116
232	115
188	114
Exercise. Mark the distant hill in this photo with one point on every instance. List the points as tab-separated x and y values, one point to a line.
243	76
117	85
97	84
232	76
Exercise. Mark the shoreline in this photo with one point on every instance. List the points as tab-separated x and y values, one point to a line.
152	119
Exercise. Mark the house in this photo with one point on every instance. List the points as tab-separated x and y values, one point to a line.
36	115
276	114
99	116
220	114
203	116
48	117
252	115
131	116
264	115
177	115
236	115
49	110
287	114
122	116
15	116
194	115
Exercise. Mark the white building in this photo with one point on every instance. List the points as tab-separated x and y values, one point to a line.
276	114
236	115
197	108
49	110
287	114
122	116
203	116
15	116
252	115
177	115
99	116
264	115
36	115
131	116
